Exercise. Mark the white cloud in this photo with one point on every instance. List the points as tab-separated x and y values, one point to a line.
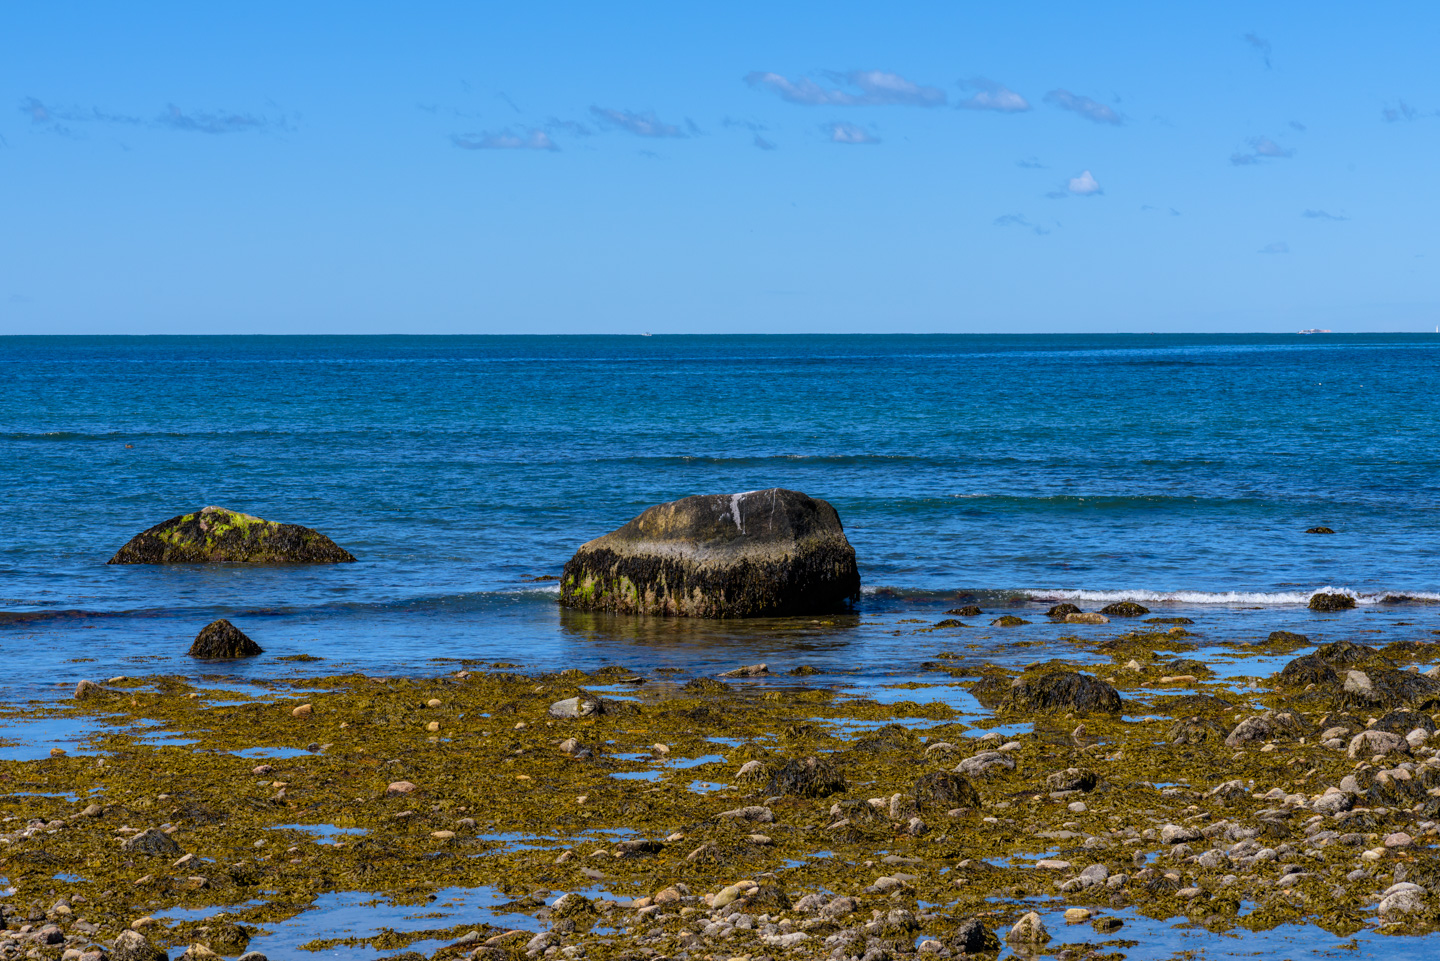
868	88
1084	185
1261	148
505	140
1092	110
993	96
640	124
848	133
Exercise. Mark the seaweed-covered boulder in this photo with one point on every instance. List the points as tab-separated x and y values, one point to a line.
1319	530
944	791
1196	729
810	778
1008	620
153	843
969	610
221	639
973	937
1386	689
1403	721
1331	602
1310	669
133	946
1072	779
215	535
1057	691
762	553
1268	726
1124	609
1287	638
1060	610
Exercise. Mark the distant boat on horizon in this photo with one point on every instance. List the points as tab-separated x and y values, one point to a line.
1315	330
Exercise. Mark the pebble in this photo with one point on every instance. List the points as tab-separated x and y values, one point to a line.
1076	915
433	726
433	702
399	787
303	710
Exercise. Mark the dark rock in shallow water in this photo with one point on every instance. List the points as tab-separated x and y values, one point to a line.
1008	620
215	535
949	622
223	639
1062	691
1319	530
811	778
1060	610
944	791
1124	609
973	937
762	553
1287	637
1310	669
1331	602
969	610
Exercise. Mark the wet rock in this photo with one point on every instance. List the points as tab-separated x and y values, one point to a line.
226	937
1331	602
576	707
949	622
1196	730
751	771
221	639
1062	610
944	791
1401	900
969	610
749	670
1028	930
761	553
1310	669
754	813
1092	617
1178	834
152	843
985	762
1060	691
1264	727
133	946
1071	779
1287	638
1124	609
1008	620
216	535
1383	690
1370	743
811	778
974	937
87	689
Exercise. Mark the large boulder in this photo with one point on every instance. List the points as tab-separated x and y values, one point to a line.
215	535
1061	691
221	639
761	553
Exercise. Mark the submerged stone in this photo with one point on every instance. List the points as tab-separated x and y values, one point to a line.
1331	602
1060	610
761	553
216	535
1124	609
221	639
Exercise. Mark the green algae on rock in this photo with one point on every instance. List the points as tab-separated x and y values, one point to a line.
221	639
215	535
772	552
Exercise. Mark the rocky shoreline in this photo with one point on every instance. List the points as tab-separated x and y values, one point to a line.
634	812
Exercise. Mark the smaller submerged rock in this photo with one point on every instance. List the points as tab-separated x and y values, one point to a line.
1062	610
1326	603
215	535
1124	609
221	639
1319	530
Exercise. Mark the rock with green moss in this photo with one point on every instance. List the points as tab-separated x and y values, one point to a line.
762	553
221	639
215	535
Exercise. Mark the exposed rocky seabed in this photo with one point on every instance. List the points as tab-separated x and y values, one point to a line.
1145	786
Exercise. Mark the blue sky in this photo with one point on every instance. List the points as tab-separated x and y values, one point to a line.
525	168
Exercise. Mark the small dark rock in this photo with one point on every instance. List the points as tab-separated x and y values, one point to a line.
810	778
969	610
1062	691
152	843
1310	669
1404	721
944	791
1124	609
973	937
221	639
1008	620
1287	638
1331	602
1319	530
1060	610
1072	779
950	622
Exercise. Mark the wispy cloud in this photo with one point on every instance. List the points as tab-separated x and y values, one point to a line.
1030	163
532	139
763	144
1092	110
847	133
640	124
854	88
1278	247
1261	148
1403	111
1297	125
217	121
1260	44
990	95
1322	215
568	126
1084	185
18	299
1019	220
1170	210
56	118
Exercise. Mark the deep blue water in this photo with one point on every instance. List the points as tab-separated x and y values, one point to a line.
1182	469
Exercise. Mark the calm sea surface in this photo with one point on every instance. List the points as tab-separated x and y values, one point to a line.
1178	470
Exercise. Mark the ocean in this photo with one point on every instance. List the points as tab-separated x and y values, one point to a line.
1181	471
